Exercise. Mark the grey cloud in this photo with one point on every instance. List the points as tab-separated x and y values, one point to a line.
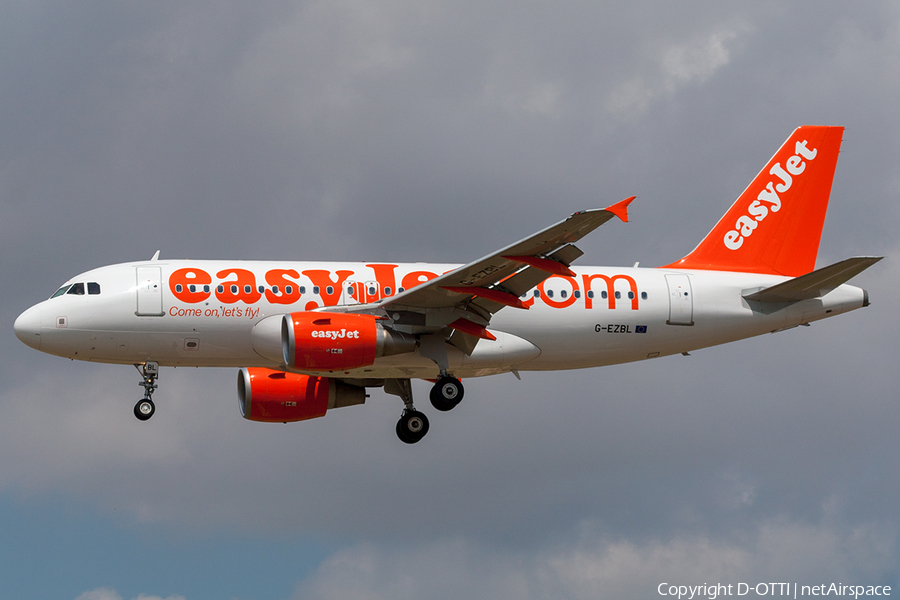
588	566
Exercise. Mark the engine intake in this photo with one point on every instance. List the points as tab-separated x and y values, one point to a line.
278	397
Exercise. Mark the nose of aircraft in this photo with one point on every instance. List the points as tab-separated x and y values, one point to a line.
28	327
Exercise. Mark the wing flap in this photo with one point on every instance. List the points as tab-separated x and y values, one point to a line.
815	284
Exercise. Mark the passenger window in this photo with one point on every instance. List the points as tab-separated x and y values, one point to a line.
604	295
220	289
275	289
549	293
590	293
329	290
61	291
537	293
262	289
93	288
631	295
290	290
387	291
192	288
315	289
400	290
302	290
563	294
577	293
178	288
643	295
618	295
77	289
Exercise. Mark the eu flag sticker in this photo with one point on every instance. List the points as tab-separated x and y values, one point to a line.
640	329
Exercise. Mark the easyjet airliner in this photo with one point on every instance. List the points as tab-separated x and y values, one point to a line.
312	336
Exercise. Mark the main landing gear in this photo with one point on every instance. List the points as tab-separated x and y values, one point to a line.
413	425
446	393
145	408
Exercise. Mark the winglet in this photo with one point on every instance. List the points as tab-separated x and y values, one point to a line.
620	209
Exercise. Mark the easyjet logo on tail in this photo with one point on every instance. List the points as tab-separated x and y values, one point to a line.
769	199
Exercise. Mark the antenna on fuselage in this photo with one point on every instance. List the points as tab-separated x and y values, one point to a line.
155	256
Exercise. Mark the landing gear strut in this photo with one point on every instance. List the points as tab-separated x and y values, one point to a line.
145	408
412	425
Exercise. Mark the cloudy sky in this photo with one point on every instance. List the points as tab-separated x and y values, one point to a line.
417	130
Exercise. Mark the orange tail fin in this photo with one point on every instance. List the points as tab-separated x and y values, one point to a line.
774	227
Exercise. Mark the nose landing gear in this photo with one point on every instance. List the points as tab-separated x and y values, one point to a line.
145	408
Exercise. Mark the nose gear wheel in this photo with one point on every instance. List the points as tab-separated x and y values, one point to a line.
144	409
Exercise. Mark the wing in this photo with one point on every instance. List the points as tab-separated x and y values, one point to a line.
465	298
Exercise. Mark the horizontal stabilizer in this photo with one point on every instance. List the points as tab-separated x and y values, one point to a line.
815	284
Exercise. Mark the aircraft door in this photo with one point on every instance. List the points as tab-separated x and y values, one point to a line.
681	301
149	292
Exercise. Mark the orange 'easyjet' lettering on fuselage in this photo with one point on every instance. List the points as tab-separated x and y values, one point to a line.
610	289
569	297
192	285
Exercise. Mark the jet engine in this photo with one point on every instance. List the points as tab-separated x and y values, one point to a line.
277	397
318	341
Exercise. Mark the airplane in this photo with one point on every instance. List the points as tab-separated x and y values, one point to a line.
308	337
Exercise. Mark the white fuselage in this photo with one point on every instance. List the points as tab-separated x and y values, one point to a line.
142	313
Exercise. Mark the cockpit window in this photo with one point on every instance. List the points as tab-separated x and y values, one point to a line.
93	288
61	291
77	289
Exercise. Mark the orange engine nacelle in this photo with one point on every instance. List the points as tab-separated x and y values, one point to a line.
277	397
319	341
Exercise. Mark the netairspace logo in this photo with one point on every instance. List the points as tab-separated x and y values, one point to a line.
713	591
